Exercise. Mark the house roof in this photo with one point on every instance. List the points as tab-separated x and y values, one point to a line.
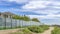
7	13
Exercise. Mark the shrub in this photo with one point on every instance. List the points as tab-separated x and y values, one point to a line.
35	20
26	31
36	29
45	27
56	30
23	31
30	29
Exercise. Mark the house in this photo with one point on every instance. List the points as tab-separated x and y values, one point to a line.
6	14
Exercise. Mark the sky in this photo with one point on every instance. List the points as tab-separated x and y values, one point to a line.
47	11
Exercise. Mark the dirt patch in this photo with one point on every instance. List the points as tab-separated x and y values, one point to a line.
8	31
15	30
48	31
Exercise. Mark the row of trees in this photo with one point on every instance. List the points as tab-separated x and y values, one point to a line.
25	18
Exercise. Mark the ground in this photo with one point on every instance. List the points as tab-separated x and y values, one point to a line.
48	31
15	30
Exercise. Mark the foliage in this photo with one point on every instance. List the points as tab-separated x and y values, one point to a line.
25	18
56	30
16	17
35	19
31	30
37	29
45	27
23	31
26	31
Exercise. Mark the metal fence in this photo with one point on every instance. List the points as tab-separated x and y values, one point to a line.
8	22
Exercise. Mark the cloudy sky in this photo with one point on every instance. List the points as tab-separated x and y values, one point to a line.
47	11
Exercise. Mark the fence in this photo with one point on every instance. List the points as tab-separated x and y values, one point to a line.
8	22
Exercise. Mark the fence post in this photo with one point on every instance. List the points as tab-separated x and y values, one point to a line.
19	23
5	21
16	23
11	20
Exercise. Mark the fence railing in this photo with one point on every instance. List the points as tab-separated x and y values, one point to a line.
8	22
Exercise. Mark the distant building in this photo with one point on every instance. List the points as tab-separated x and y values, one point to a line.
6	14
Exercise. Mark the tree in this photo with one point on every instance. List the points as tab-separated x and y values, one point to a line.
26	18
16	17
35	19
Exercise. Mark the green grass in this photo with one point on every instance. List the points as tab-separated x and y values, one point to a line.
56	30
38	29
32	29
5	28
23	31
29	29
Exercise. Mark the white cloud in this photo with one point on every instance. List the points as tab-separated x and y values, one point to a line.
57	7
18	1
50	16
56	3
36	4
40	4
46	12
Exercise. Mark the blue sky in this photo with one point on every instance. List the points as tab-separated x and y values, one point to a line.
47	11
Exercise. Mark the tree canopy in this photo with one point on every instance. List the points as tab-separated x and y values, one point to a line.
35	19
25	18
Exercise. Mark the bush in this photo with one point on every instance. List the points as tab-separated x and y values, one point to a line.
30	29
23	31
35	20
56	30
26	31
36	29
45	27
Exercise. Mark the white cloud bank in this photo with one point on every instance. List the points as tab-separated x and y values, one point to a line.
17	1
49	7
36	4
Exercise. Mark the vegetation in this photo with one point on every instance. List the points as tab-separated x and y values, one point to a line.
5	28
23	31
56	30
31	30
45	27
25	18
35	19
38	29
